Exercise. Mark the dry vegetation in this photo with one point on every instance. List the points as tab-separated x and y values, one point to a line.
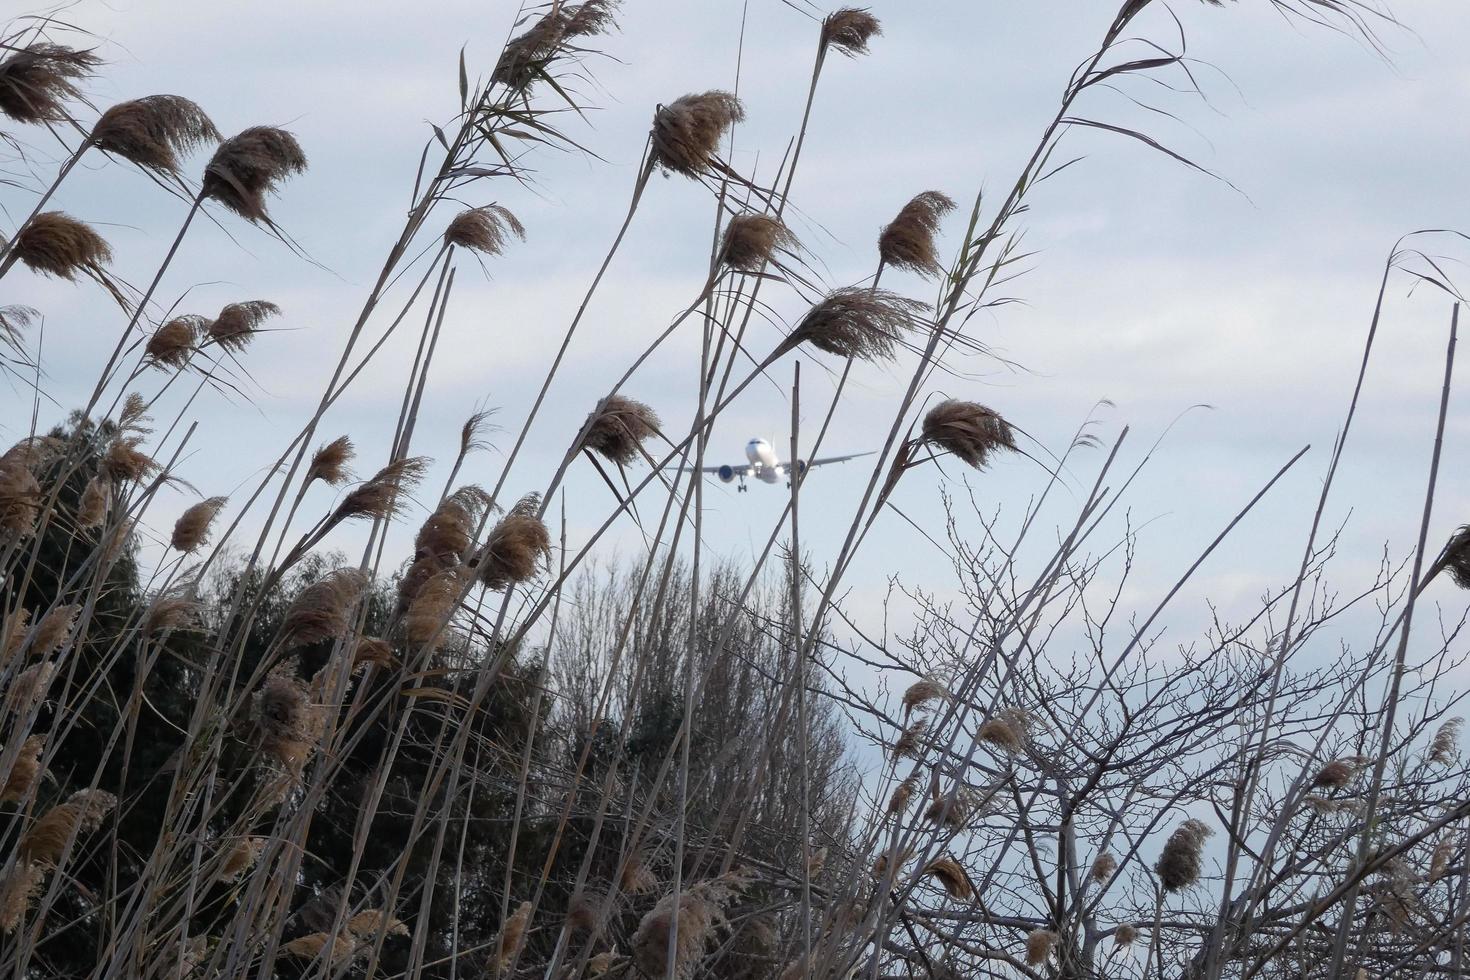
505	755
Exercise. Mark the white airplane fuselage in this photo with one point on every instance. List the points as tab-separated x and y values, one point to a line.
764	464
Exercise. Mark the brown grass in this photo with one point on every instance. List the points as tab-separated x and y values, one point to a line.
288	722
923	692
849	30
1182	859
687	132
619	428
238	323
385	495
154	131
484	230
249	166
516	547
857	322
512	935
329	462
322	610
969	430
23	774
907	242
37	80
952	876
57	244
173	343
191	530
751	240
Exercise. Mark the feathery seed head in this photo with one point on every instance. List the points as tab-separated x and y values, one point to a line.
57	244
866	324
921	692
619	428
1182	859
849	30
288	722
125	462
153	131
752	239
322	609
907	242
47	839
687	131
969	430
385	495
329	463
173	343
1039	946
54	629
249	166
512	935
1444	748
36	80
1457	557
516	546
20	499
1338	773
191	530
1125	934
951	875
1103	867
484	230
237	323
22	777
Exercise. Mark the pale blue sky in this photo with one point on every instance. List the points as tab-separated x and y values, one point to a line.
1152	286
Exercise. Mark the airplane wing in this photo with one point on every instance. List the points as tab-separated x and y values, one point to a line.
834	459
724	472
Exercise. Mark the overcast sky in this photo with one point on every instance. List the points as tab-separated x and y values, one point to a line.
1151	286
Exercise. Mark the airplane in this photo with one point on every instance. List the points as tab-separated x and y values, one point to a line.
765	466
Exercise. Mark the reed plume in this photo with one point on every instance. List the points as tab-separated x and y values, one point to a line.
172	612
1439	861
36	81
1000	733
152	132
1103	867
248	167
237	323
857	322
191	530
343	947
1444	748
902	794
54	629
449	531
619	427
516	546
30	686
752	239
124	462
370	922
699	911
969	430
173	343
849	30
20	499
951	875
687	132
322	610
637	877
433	604
922	692
512	935
16	629
23	773
48	838
240	858
907	242
527	56
1182	859
1125	935
329	463
602	962
890	861
959	812
1039	946
1338	773
14	321
384	496
1456	557
288	722
484	230
57	244
910	744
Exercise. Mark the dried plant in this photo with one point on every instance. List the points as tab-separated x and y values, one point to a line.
24	772
370	922
752	239
898	802
922	692
907	242
1182	859
238	323
1338	773
288	722
527	56
240	858
1456	557
952	876
856	322
618	428
1000	733
687	132
699	911
1039	946
329	463
124	462
36	81
322	610
512	935
971	431
46	840
385	495
30	686
154	131
248	167
484	230
54	629
191	530
57	244
171	613
1103	867
433	604
1444	748
1439	861
910	744
172	344
516	547
20	500
637	876
449	531
849	30
1125	934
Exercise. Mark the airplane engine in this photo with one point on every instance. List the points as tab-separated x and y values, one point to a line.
726	473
